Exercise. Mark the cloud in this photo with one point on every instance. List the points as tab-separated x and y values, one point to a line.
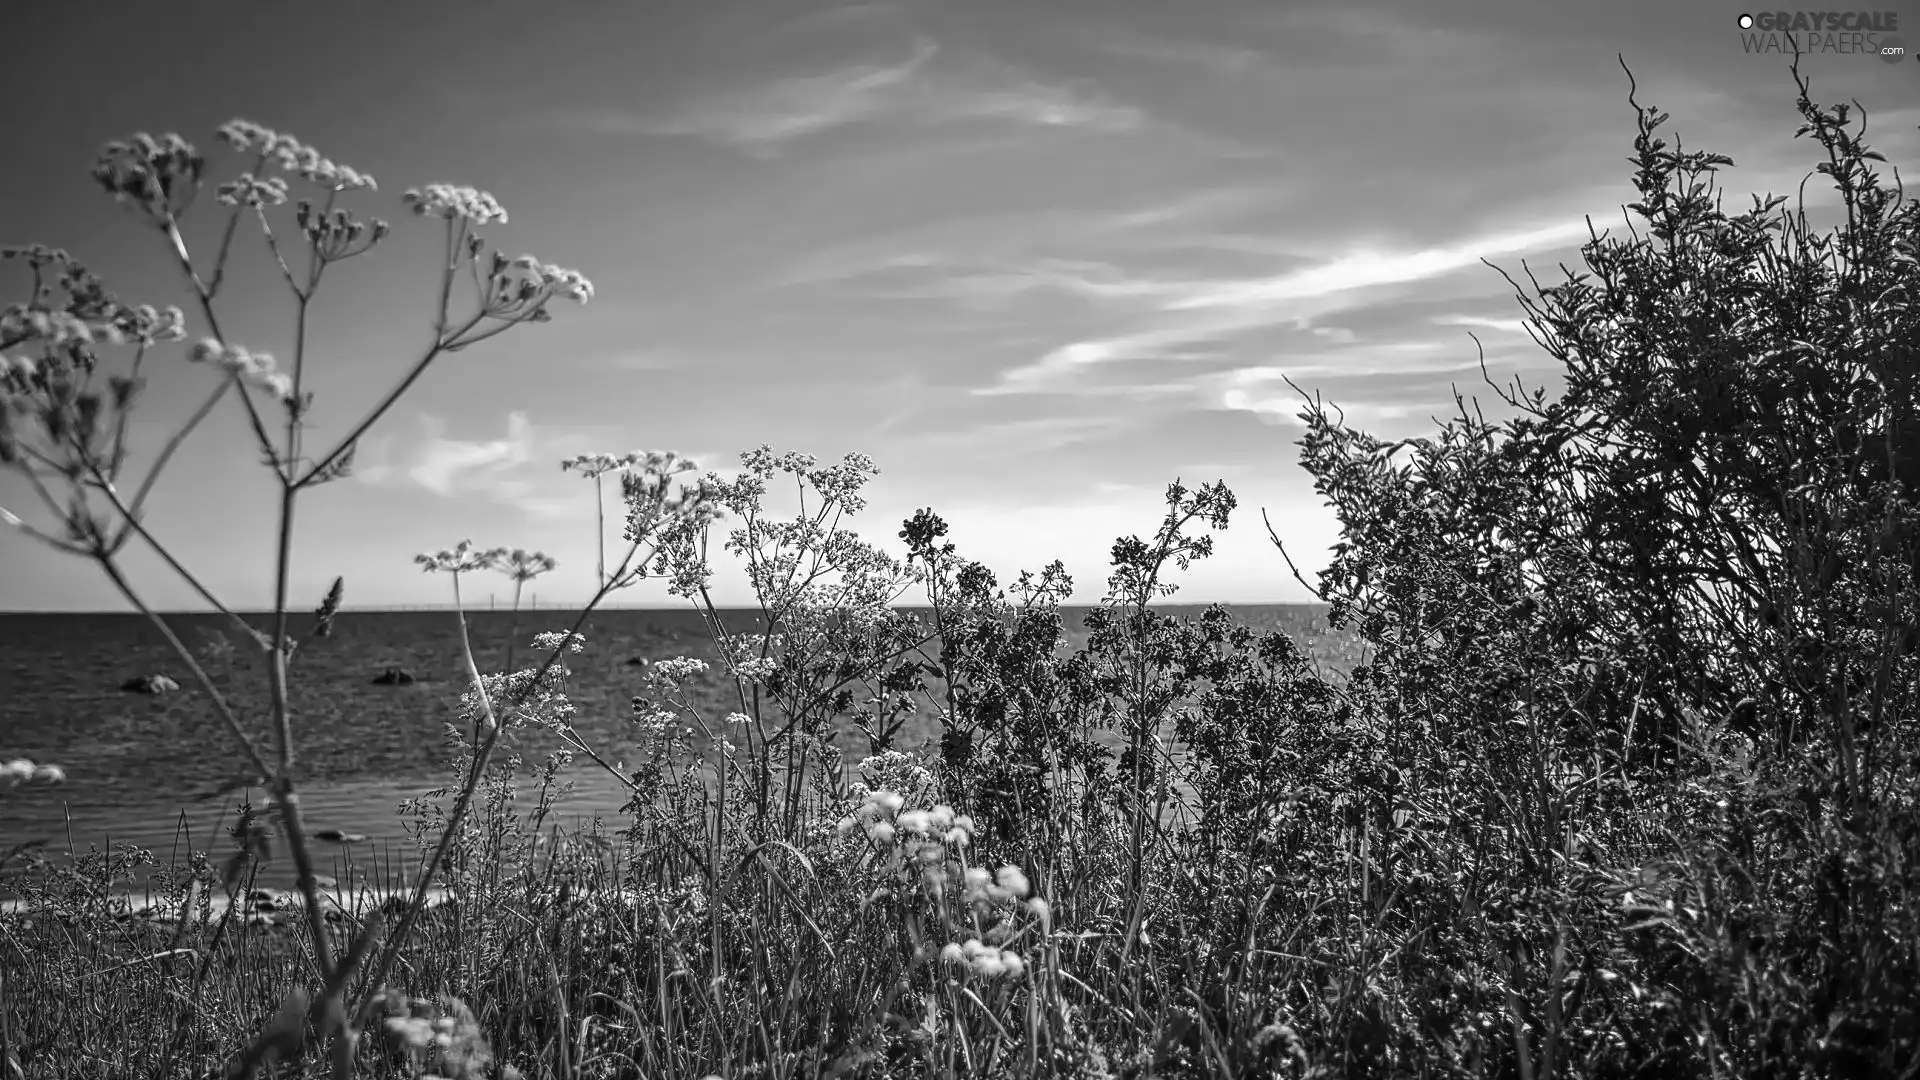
1192	314
441	464
765	118
1505	326
496	470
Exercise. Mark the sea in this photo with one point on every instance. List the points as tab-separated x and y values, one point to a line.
163	773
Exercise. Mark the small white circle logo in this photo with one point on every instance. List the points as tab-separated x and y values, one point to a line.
1746	22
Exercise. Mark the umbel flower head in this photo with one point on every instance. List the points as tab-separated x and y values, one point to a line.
464	558
254	367
521	564
293	156
448	201
519	288
158	177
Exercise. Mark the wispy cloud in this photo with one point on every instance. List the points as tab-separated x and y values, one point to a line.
497	470
1227	308
765	118
1505	326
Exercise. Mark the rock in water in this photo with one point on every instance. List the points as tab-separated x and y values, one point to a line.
150	684
393	676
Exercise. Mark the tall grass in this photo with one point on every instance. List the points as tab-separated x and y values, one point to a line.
1623	785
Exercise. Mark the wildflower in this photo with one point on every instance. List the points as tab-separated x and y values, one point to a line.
757	670
257	368
443	1032
462	559
592	465
1042	911
522	565
54	327
652	721
246	135
159	177
520	288
666	674
249	190
308	164
1014	881
447	201
145	325
338	235
554	639
989	962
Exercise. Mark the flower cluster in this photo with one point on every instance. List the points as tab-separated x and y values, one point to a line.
254	367
20	770
442	1032
984	960
159	177
757	670
1001	888
338	235
646	485
665	675
592	465
895	770
520	697
250	190
56	328
523	565
294	156
922	840
145	325
37	256
464	558
521	284
651	720
554	639
914	833
450	202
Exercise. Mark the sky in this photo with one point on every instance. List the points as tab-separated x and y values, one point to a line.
1036	259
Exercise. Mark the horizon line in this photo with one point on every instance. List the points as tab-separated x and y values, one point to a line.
391	609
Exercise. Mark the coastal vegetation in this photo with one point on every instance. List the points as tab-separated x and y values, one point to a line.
1622	784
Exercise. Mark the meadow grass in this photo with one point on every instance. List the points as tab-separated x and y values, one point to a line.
1623	782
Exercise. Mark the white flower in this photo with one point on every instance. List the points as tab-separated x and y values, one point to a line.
1012	879
551	640
1042	911
462	559
448	201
